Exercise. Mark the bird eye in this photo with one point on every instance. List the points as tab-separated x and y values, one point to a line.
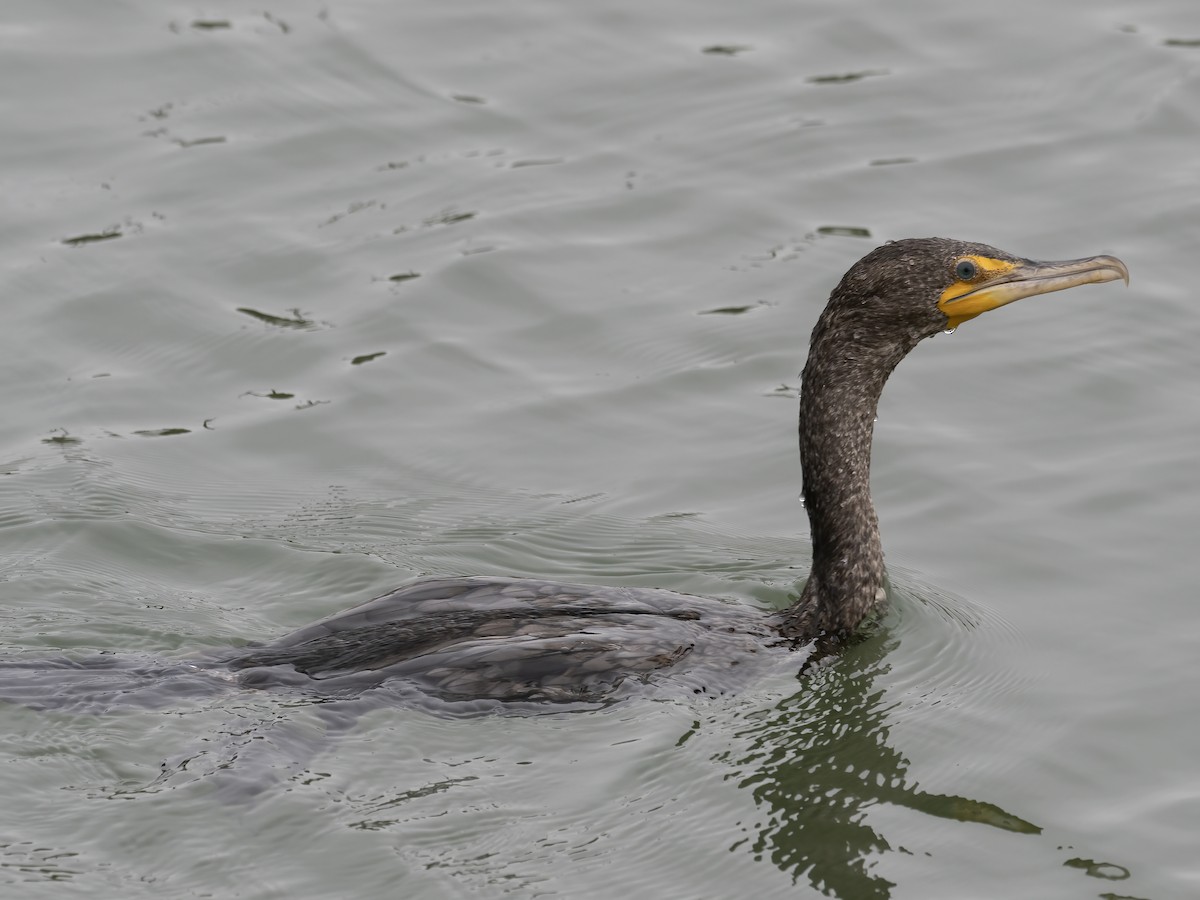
965	270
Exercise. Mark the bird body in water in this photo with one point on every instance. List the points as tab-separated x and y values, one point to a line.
507	639
522	640
518	639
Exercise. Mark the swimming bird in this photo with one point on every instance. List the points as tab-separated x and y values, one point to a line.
511	639
479	642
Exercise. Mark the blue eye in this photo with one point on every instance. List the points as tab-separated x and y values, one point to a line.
965	270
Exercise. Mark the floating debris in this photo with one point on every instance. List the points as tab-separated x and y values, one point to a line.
784	390
297	319
449	217
200	142
548	161
367	357
356	207
163	432
731	310
63	438
726	49
843	231
1106	870
270	395
95	237
846	77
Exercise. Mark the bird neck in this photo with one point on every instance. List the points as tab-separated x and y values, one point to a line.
843	379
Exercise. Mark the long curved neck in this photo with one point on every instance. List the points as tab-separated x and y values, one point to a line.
843	379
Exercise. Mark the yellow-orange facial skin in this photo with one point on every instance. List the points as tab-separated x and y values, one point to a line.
998	282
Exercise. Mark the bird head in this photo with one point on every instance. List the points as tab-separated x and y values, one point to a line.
925	285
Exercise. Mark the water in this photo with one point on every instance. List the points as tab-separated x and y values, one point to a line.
304	303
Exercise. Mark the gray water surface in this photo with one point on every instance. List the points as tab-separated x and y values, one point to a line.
303	303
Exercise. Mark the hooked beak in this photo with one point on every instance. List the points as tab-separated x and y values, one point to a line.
1008	281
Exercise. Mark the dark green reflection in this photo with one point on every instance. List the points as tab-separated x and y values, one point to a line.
821	759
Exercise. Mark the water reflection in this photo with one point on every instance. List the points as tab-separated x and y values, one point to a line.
821	759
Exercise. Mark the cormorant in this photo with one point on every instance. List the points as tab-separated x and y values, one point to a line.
514	639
